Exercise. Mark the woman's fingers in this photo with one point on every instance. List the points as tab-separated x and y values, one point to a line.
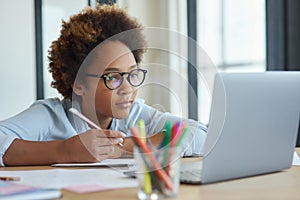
102	144
116	140
98	138
108	137
109	133
104	141
105	152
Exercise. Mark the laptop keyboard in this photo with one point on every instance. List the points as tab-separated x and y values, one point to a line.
191	173
190	176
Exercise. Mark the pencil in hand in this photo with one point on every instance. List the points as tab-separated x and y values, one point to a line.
84	118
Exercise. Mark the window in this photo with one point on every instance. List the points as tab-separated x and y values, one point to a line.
232	32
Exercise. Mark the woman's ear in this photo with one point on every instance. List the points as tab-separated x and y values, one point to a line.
78	88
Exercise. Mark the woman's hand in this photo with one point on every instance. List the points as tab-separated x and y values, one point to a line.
92	146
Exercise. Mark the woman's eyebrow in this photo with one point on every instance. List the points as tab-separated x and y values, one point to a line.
133	66
111	69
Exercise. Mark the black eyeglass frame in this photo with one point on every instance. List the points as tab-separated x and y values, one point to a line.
104	76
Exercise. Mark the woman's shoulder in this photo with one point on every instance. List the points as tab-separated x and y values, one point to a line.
49	102
49	105
139	101
138	104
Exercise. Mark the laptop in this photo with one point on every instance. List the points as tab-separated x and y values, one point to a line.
253	127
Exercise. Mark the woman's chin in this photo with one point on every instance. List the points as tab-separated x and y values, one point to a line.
121	115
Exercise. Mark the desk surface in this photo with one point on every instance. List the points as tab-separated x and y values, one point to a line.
280	185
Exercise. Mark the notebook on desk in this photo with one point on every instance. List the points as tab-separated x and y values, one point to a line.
253	127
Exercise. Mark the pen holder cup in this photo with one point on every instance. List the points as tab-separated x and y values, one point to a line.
158	173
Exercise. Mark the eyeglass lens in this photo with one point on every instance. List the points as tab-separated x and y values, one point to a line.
135	78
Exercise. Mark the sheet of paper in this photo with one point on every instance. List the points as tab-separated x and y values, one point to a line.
81	189
105	163
61	178
296	159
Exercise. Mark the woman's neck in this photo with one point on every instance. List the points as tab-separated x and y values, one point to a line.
104	122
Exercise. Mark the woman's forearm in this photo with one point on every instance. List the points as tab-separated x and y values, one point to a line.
23	152
91	146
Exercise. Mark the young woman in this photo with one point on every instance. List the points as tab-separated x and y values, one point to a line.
99	77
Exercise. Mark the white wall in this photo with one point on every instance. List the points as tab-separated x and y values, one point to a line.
17	55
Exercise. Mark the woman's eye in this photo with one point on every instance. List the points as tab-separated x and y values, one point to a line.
110	77
135	77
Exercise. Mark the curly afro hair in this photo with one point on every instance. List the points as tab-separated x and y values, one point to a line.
81	34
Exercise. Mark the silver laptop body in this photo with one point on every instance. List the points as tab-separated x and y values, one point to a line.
253	126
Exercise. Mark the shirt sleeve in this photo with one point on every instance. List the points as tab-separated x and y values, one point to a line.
42	121
155	122
5	142
31	124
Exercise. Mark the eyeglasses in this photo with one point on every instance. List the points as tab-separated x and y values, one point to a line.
114	80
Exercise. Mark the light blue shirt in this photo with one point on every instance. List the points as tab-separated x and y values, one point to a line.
50	119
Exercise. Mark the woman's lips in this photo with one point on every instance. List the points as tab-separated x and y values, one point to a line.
124	104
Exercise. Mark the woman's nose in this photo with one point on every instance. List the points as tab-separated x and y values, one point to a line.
125	87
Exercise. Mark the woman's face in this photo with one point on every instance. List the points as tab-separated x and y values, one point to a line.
113	56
